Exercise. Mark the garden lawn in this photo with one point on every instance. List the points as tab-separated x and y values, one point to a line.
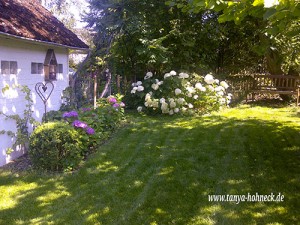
160	170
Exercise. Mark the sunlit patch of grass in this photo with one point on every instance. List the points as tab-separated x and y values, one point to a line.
160	170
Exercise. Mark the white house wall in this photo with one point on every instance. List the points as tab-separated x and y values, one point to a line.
12	101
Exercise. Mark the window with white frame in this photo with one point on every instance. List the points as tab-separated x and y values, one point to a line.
37	68
9	67
60	68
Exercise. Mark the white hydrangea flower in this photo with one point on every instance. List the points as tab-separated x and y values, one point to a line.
164	105
211	88
217	81
209	79
147	97
220	93
139	83
176	110
172	104
150	102
203	89
183	75
162	100
160	82
224	84
270	3
133	84
167	75
196	97
165	108
177	91
173	73
155	103
155	86
140	109
191	89
229	96
134	89
148	75
180	101
140	88
189	95
219	88
198	86
190	105
171	112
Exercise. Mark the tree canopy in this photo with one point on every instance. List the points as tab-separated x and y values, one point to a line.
224	37
279	26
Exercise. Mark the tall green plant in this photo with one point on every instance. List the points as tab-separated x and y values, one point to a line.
21	136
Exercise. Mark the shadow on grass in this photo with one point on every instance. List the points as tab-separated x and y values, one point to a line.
161	171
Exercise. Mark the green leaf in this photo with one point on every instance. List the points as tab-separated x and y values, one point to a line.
270	12
258	2
170	3
224	18
273	30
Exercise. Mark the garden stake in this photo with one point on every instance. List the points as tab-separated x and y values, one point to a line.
41	89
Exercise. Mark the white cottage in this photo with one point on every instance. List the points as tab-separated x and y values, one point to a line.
34	47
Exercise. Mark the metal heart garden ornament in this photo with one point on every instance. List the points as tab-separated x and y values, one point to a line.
44	90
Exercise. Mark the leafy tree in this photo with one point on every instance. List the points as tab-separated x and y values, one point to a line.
137	36
279	26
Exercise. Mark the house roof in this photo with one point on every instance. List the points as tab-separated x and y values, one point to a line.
30	20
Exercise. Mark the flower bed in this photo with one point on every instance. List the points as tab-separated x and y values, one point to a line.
91	127
179	94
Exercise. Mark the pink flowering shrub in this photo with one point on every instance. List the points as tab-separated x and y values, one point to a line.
88	126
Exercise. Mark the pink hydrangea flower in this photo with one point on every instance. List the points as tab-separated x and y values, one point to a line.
112	100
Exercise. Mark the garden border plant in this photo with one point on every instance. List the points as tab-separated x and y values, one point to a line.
179	94
22	134
92	126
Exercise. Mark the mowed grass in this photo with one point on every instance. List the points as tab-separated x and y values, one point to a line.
160	170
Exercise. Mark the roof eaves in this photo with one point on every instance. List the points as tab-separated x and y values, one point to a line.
43	42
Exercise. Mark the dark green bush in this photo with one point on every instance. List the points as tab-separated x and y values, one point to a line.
52	116
55	146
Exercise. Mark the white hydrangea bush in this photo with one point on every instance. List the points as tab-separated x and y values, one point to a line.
181	94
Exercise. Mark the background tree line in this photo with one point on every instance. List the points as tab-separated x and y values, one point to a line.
131	37
224	37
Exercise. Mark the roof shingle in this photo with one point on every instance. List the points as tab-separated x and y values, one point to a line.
28	19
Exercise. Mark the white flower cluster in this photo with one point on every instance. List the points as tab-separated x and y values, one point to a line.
148	75
185	97
173	73
137	87
156	85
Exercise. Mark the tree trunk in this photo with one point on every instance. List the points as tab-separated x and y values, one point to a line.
274	61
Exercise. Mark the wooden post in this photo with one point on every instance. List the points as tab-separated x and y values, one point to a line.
95	90
298	96
119	83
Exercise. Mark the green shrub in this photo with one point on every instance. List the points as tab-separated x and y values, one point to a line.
55	146
52	116
179	94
